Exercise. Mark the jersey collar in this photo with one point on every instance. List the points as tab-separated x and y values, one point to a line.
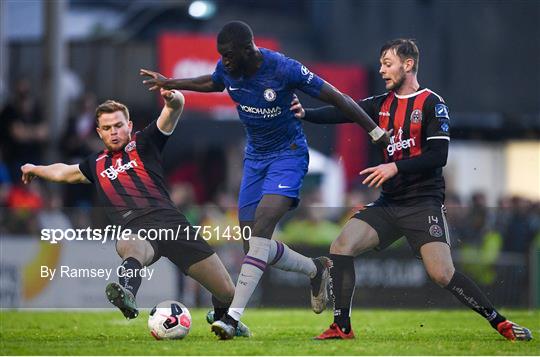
410	95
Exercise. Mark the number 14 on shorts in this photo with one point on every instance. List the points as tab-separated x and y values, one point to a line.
433	219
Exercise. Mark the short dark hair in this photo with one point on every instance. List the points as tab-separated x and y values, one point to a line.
111	106
236	32
405	48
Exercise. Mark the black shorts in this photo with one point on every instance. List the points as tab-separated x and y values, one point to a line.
420	222
184	250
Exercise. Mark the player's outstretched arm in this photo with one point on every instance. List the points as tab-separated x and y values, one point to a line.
204	83
323	115
172	110
59	172
350	109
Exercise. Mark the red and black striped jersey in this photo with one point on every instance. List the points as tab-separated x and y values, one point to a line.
415	119
130	183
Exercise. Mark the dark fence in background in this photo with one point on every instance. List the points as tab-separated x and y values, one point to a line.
391	278
394	278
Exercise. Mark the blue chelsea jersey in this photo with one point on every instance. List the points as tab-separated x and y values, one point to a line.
263	101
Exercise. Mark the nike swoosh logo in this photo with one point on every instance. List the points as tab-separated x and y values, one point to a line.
231	88
280	186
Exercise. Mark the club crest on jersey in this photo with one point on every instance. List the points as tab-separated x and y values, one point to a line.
397	143
112	171
416	116
130	146
270	95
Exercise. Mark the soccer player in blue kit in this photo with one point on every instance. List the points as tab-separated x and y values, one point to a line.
262	83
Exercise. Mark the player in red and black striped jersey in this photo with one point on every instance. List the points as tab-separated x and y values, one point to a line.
130	181
411	202
128	176
420	125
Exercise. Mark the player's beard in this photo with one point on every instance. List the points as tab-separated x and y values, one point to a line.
399	82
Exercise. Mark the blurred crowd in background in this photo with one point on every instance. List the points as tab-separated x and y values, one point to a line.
204	187
106	42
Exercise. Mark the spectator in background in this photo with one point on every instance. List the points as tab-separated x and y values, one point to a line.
80	140
5	181
205	171
5	186
22	203
187	172
23	130
480	241
457	216
183	197
519	231
52	215
310	227
479	219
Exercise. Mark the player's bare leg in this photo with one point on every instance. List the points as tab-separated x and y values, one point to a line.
438	262
212	274
440	268
282	257
356	237
136	253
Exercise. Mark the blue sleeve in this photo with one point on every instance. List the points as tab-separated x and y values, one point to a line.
300	77
217	76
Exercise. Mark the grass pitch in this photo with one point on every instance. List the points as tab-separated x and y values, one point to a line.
275	332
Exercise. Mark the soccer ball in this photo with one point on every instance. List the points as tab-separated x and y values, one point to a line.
169	320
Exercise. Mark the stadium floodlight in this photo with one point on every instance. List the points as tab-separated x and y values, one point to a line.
202	9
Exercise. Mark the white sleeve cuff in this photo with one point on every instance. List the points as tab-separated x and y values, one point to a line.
438	137
164	132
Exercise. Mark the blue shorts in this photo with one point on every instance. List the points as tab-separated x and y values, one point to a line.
277	176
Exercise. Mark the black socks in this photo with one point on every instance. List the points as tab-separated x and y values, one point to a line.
132	281
220	308
229	320
342	289
343	282
466	291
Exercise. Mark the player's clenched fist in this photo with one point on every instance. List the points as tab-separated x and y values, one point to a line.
27	173
296	108
174	98
379	174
